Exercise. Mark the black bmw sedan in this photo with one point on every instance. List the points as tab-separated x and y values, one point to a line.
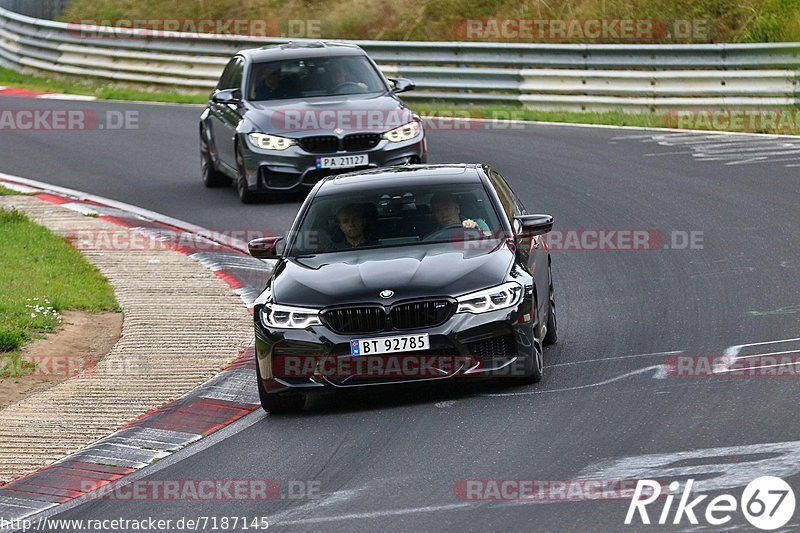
404	274
282	117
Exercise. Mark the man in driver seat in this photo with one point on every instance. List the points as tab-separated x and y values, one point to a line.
447	212
341	77
352	220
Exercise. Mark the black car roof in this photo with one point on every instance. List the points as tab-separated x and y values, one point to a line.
411	175
296	50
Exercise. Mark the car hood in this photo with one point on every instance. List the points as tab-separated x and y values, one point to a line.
321	116
359	276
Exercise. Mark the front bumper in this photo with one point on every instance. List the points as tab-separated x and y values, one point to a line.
295	169
494	344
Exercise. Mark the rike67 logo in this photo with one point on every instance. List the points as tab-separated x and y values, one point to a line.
767	502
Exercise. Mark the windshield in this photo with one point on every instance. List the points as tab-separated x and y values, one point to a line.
382	218
313	77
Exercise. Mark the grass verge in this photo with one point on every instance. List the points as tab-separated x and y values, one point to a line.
99	89
437	20
784	121
40	276
7	192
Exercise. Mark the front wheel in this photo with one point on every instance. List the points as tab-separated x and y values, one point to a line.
281	402
246	196
551	337
211	176
534	366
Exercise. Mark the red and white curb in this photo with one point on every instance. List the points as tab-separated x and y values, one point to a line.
219	402
26	93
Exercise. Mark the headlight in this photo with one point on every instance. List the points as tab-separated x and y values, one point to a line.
271	142
500	297
403	133
283	316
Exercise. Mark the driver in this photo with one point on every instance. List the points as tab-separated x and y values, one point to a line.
352	220
270	86
340	75
447	213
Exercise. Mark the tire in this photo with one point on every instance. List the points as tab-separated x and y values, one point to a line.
211	176
535	371
277	403
551	337
246	196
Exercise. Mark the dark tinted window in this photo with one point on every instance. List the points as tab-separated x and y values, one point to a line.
311	77
232	75
511	204
398	217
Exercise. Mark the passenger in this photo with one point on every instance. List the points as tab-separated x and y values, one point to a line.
447	213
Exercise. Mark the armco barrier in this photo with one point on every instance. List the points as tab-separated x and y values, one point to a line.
540	76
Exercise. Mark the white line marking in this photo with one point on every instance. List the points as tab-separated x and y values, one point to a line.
330	500
750	356
751	368
73	97
659	370
653	354
372	514
731	353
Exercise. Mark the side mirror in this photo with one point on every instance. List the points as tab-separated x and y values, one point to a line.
266	248
531	225
227	96
402	85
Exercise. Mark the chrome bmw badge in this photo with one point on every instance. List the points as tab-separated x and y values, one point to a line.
387	293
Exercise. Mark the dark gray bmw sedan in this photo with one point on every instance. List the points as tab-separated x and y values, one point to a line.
282	117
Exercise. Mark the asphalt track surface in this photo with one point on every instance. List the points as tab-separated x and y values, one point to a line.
390	459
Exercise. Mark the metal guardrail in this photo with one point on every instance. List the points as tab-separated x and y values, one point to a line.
541	76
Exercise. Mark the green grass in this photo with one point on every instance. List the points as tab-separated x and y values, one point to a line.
613	118
40	273
102	91
438	20
7	192
499	112
97	88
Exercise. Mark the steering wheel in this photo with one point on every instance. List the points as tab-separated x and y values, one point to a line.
345	86
441	232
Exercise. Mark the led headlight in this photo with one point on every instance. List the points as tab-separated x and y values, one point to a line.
500	297
271	142
403	133
286	317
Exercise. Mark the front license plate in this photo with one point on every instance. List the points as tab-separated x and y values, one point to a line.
342	161
379	345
